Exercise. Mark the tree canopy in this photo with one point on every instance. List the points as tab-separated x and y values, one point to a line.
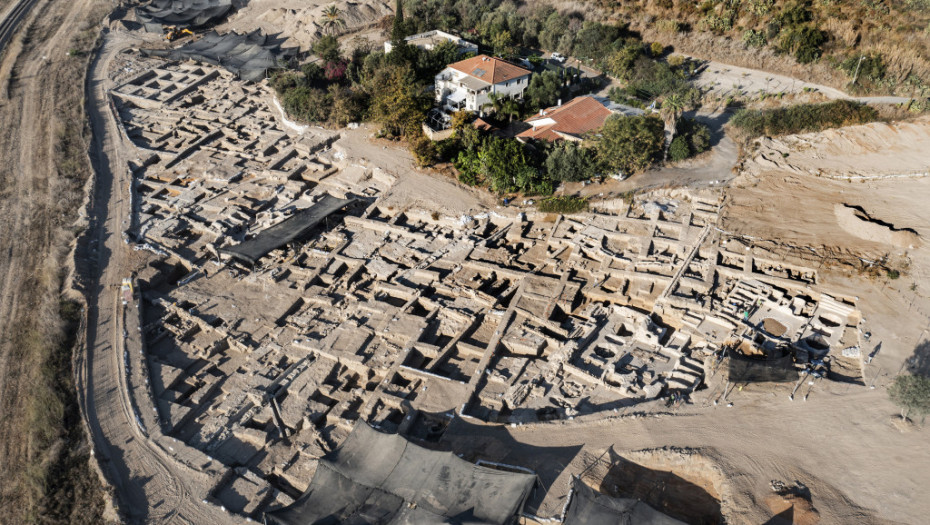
570	162
544	89
911	393
627	145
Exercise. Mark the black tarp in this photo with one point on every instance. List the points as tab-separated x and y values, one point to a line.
190	14
378	478
588	507
248	55
750	370
291	229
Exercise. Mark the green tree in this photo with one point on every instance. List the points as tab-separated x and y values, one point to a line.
469	137
672	108
570	162
398	28
469	167
501	160
348	105
627	145
332	19
398	102
511	108
619	64
544	89
327	48
911	393
314	76
502	42
679	149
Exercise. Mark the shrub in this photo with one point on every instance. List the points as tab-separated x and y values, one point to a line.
679	149
802	118
469	167
335	70
871	68
424	151
753	38
668	26
627	145
327	48
656	49
567	161
804	42
566	204
911	393
760	7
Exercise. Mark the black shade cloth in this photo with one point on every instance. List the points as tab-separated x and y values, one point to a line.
378	478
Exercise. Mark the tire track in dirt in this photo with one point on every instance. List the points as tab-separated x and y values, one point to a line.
151	485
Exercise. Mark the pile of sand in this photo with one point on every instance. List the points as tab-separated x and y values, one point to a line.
300	21
871	151
860	224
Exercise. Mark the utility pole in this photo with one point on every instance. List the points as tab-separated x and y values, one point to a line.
856	76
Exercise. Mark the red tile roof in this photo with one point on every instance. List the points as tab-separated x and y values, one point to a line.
483	125
579	116
489	69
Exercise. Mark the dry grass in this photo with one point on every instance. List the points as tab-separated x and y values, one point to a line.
900	31
47	477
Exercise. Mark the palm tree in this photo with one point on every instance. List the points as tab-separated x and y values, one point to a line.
510	107
332	19
672	108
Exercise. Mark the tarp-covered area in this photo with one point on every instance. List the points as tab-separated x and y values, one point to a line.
382	478
291	229
189	14
749	370
247	55
588	507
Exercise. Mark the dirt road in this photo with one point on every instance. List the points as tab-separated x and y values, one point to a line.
151	486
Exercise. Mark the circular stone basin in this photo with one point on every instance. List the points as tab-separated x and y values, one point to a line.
773	327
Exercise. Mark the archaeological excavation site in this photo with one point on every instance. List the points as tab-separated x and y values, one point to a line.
283	302
412	263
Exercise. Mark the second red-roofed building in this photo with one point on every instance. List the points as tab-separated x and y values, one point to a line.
570	121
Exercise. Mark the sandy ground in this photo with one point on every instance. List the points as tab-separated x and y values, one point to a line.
414	188
725	80
300	20
848	197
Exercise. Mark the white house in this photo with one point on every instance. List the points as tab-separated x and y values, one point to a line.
431	39
469	83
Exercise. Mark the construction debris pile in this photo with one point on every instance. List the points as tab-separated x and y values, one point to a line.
379	313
